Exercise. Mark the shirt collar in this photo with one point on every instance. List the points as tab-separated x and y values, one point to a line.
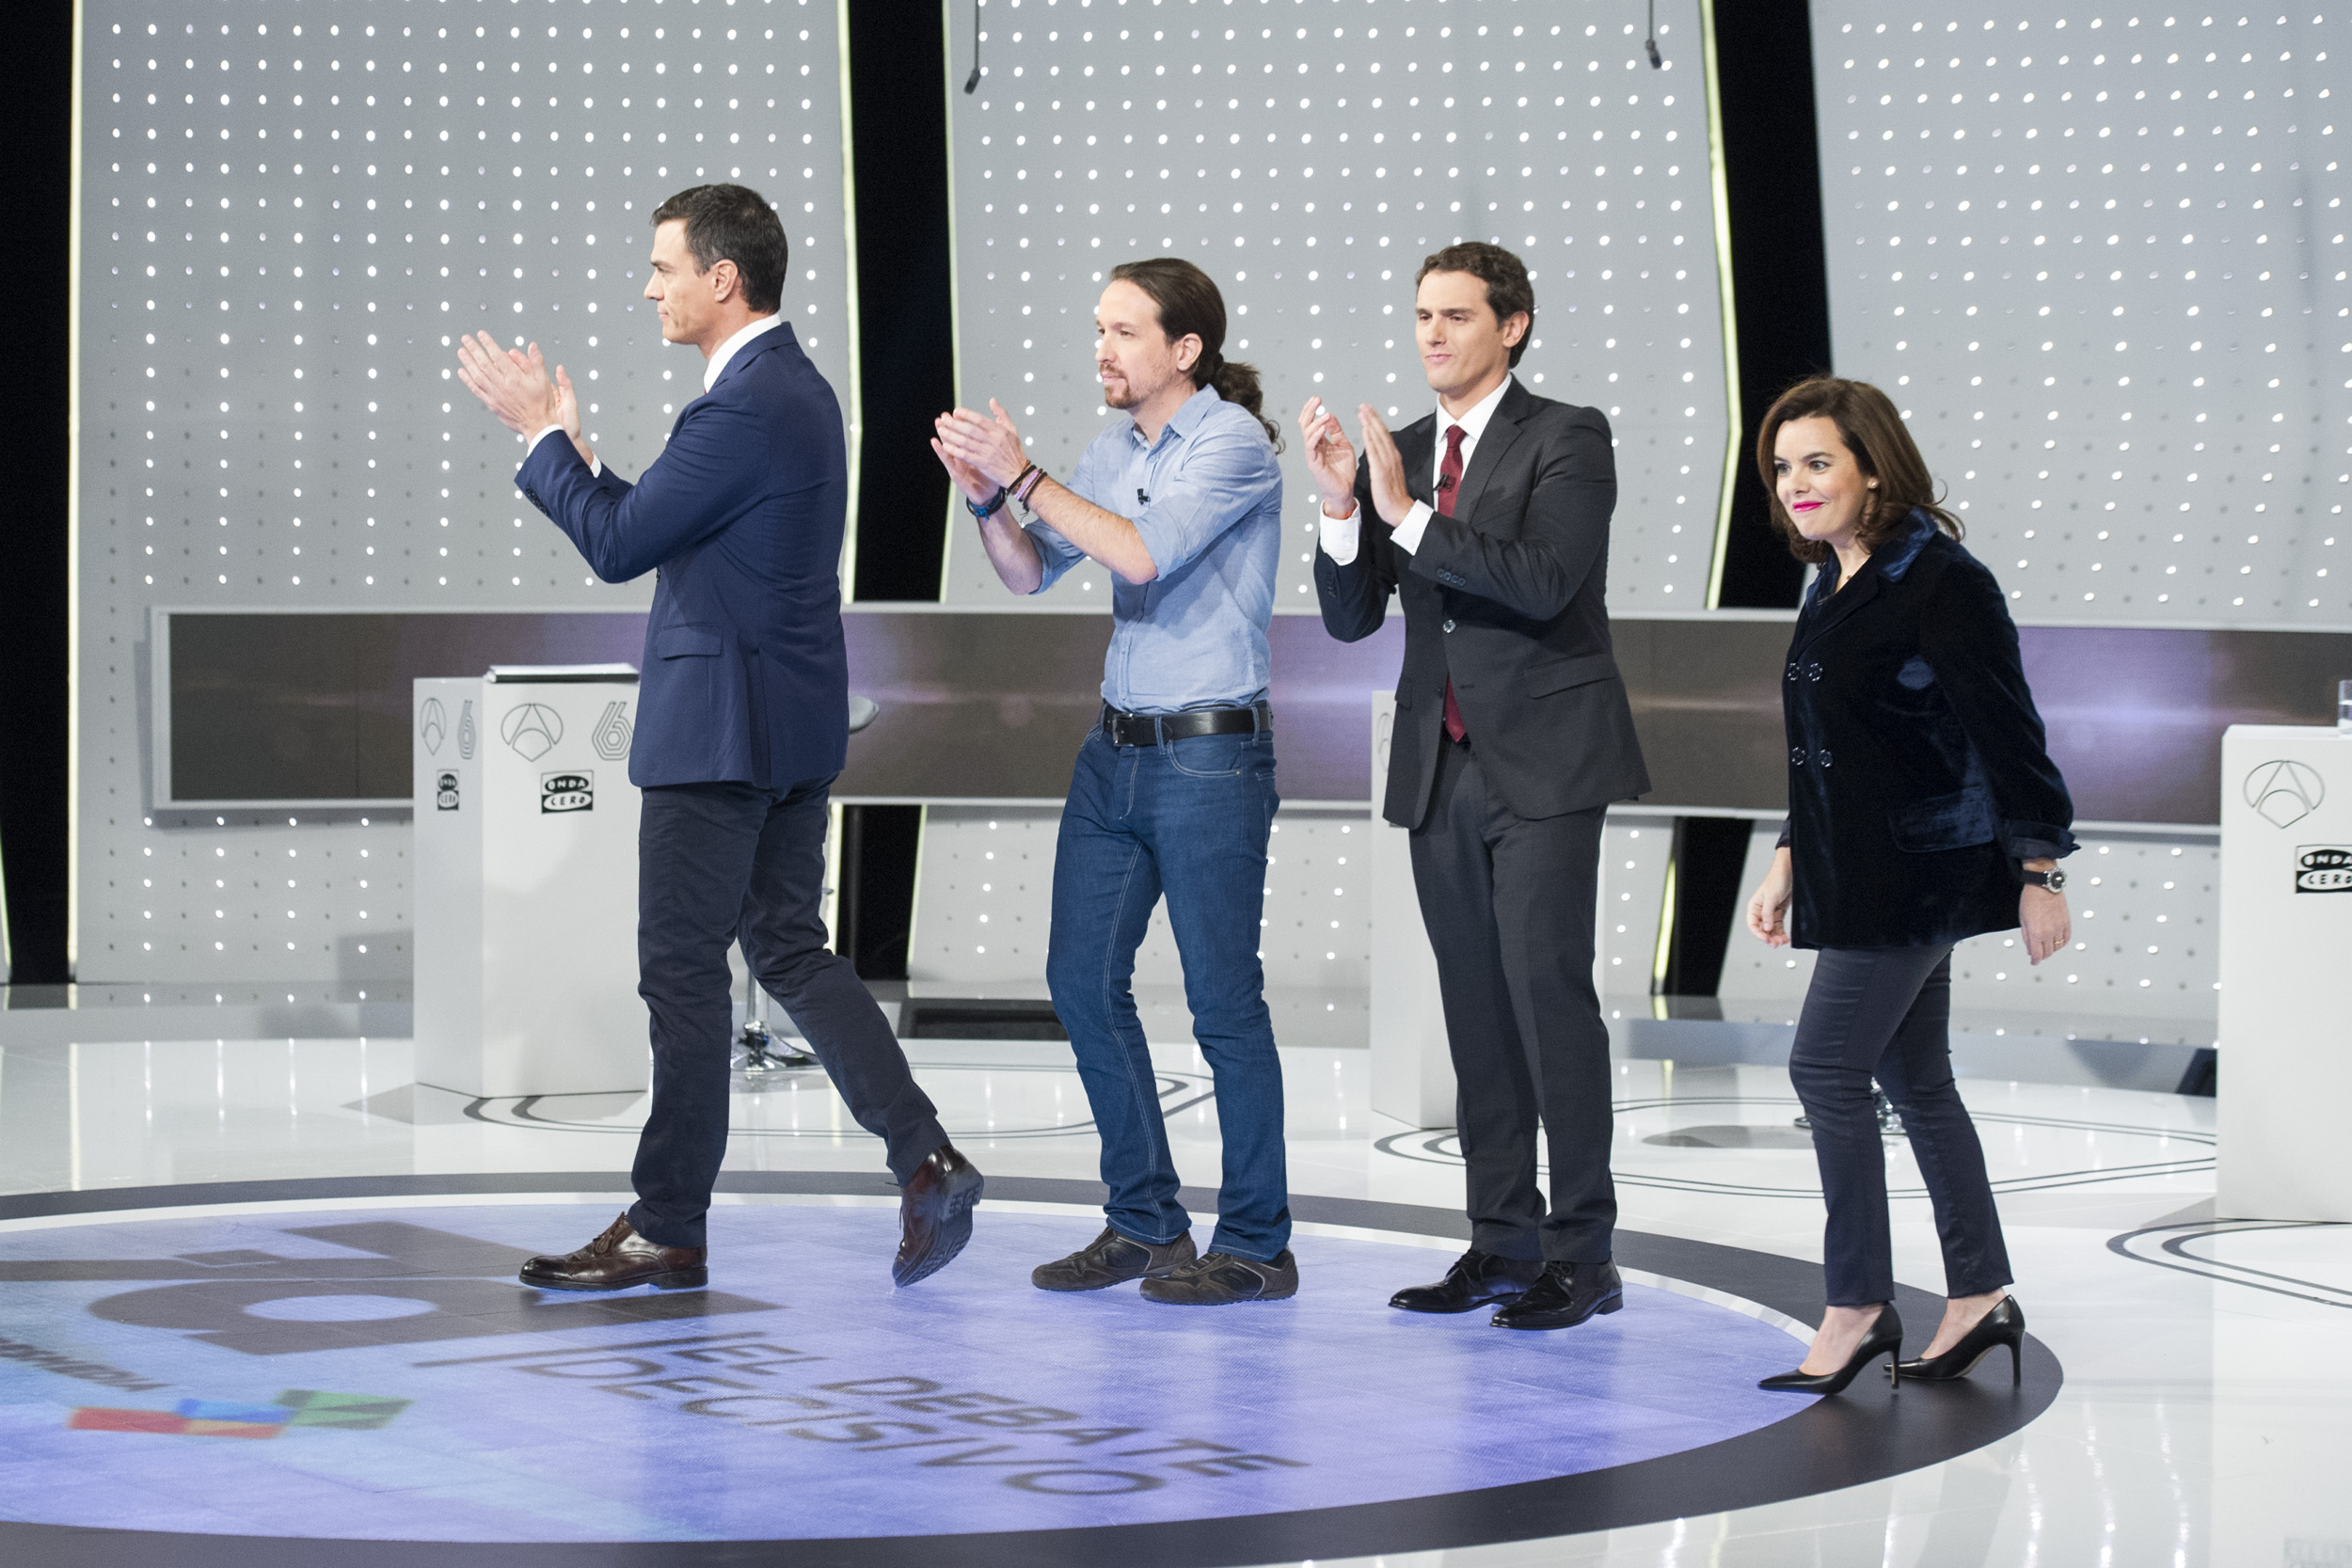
1188	414
734	346
1473	420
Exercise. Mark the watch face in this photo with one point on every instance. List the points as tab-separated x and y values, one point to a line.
2055	881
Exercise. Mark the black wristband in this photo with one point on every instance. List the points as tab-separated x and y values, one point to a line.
981	511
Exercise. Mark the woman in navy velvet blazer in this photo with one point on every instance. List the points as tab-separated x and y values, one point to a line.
1923	809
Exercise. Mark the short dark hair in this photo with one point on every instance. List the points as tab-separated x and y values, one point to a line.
733	223
1190	306
1508	292
1882	449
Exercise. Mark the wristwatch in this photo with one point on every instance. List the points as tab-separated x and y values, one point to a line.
2053	878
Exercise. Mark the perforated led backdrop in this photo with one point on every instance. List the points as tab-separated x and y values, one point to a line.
287	214
1307	158
2100	258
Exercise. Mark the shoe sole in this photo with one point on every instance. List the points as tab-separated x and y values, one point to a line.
955	1230
1106	1283
1456	1311
677	1279
1607	1306
1227	1301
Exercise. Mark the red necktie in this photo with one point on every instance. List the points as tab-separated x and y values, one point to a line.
1449	483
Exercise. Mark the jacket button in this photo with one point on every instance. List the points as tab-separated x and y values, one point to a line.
1813	672
1449	625
1792	671
1826	759
1796	756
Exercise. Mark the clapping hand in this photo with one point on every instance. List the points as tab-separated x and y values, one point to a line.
514	384
989	450
1390	497
1329	458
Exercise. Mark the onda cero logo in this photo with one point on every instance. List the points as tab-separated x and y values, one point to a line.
566	792
2323	869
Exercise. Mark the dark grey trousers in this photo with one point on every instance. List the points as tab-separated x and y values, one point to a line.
1886	1013
1508	902
719	862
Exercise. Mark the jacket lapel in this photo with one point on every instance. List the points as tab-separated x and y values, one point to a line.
1843	604
1501	432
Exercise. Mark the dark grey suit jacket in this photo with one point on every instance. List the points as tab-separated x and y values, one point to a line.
1504	596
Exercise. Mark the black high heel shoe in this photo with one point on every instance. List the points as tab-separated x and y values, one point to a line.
1884	1338
2004	1326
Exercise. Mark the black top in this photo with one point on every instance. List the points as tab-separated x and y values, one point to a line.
1504	597
1918	775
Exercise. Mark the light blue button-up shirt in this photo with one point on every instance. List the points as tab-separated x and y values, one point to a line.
1207	499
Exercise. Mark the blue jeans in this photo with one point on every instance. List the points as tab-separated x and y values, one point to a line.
1189	818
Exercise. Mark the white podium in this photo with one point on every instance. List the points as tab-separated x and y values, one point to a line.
1412	1072
526	883
2286	931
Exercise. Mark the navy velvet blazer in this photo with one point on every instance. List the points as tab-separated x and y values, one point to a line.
1917	771
1506	597
745	676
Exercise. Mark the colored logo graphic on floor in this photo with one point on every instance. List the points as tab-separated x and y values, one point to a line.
295	1407
492	1412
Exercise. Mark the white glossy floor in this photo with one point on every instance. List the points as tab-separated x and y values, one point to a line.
2205	1415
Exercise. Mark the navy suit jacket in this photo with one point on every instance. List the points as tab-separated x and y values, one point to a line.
745	676
1918	771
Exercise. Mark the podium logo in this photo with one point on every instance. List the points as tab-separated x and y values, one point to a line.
532	729
2323	869
566	792
431	725
2284	792
445	792
611	735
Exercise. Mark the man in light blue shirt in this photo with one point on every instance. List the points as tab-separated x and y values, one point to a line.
1173	790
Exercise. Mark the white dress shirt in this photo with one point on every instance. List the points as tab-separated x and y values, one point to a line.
710	379
1339	534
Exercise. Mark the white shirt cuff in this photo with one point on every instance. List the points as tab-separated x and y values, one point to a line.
1341	536
1409	533
596	468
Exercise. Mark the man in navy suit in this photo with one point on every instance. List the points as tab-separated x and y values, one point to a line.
742	724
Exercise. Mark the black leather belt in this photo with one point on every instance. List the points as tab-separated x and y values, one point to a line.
1149	729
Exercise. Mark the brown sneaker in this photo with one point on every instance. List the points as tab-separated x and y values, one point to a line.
617	1260
1112	1259
1220	1279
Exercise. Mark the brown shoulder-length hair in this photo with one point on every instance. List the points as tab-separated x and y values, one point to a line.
1874	432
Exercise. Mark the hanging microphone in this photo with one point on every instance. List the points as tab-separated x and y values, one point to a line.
1650	43
972	82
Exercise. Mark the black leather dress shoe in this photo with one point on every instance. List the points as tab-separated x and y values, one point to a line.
1565	1295
1221	1280
935	1215
617	1260
1475	1278
1110	1259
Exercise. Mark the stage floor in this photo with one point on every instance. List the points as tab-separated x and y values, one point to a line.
259	1293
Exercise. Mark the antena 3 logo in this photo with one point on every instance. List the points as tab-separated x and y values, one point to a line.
566	792
2323	869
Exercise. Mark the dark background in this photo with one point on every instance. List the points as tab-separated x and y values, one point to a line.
898	64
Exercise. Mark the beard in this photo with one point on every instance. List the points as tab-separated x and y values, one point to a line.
1120	394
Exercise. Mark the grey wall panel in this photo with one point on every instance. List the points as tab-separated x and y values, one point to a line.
286	217
1307	160
2101	259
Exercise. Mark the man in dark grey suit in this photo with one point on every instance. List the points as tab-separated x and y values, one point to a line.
1489	518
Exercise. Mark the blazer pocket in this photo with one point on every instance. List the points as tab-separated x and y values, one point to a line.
685	642
1580	671
1954	821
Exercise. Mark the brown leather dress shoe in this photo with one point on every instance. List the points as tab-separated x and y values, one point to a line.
617	1260
935	1215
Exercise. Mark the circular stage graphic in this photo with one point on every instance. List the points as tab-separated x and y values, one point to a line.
375	1373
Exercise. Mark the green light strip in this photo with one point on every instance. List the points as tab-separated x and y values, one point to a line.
74	529
947	85
849	246
1735	414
